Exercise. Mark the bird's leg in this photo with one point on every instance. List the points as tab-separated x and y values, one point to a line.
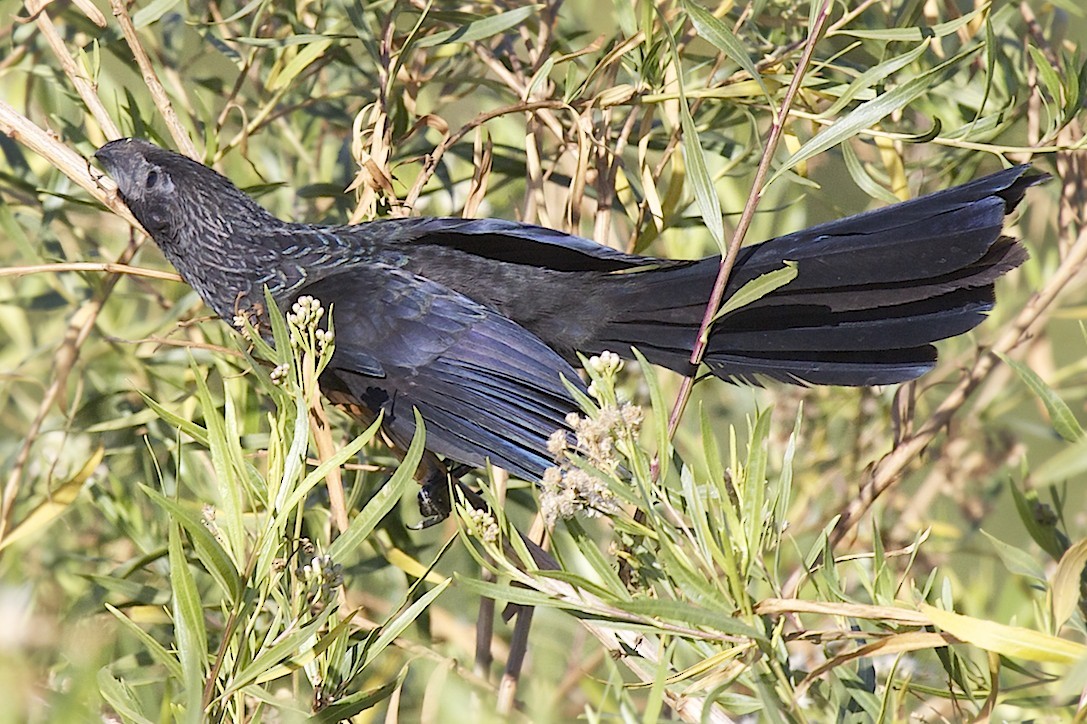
433	499
434	476
436	479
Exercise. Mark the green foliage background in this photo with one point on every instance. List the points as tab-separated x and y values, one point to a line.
149	567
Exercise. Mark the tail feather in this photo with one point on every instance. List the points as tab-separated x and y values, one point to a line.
872	292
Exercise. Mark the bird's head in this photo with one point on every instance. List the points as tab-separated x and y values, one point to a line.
211	231
147	180
170	193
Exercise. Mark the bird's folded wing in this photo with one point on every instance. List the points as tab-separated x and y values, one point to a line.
518	243
485	387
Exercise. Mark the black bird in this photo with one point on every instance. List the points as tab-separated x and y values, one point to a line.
473	321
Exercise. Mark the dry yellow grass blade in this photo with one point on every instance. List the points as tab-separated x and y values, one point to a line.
55	505
1011	641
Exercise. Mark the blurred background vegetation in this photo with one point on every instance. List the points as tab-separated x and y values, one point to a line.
165	547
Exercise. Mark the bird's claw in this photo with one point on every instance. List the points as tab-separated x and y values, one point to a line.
427	522
434	503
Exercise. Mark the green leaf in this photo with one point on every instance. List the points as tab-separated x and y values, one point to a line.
1027	505
293	643
190	428
517	595
1068	582
212	555
392	629
874	75
158	651
758	288
190	636
1060	415
716	32
480	29
352	704
603	568
302	60
660	413
152	12
863	180
1017	560
120	697
868	114
365	522
319	473
939	30
709	204
688	615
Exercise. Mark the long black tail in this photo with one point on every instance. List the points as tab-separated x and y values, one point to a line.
873	291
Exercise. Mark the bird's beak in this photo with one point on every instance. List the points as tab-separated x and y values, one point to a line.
107	154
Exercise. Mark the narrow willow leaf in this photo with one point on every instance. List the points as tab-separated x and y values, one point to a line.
939	30
660	413
1011	641
190	636
605	570
705	194
392	629
874	75
687	614
208	551
158	651
302	60
286	649
863	180
307	653
1027	505
339	458
120	697
1046	73
365	522
348	706
868	114
1017	560
758	288
152	12
716	32
1064	422
1067	582
187	426
519	596
479	29
55	505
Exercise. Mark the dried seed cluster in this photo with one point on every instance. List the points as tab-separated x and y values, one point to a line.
568	489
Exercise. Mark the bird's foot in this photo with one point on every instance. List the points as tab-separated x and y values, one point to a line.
433	497
433	500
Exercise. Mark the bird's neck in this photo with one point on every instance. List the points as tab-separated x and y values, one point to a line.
231	262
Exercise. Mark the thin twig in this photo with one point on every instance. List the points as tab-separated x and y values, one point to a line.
83	86
158	93
507	687
47	145
107	267
64	359
888	470
729	260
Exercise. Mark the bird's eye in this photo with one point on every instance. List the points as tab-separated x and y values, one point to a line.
152	178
